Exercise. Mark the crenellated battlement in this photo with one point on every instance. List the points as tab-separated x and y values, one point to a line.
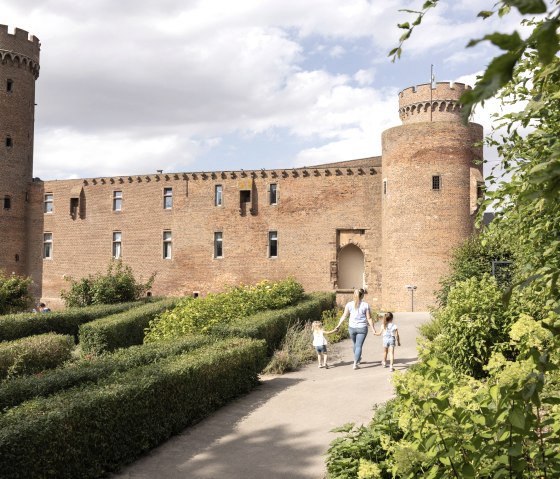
20	47
423	103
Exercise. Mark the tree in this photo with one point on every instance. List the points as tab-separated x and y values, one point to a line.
14	293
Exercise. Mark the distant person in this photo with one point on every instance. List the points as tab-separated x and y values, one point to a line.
43	308
320	343
359	315
390	336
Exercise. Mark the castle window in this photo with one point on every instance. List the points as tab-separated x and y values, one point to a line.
48	203
218	245
167	198
273	194
117	244
7	202
272	244
9	86
218	195
167	245
74	207
9	142
480	189
436	182
385	186
117	200
47	245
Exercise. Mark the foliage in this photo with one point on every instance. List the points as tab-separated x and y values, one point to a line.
91	430
294	351
92	369
330	319
15	326
121	330
34	354
118	285
14	293
362	452
474	258
201	315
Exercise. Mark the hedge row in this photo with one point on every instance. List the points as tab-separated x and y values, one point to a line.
34	354
91	370
272	325
21	325
121	330
87	432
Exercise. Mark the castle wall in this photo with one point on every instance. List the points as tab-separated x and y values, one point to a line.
318	212
19	55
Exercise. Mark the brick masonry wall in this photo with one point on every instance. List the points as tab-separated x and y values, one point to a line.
313	205
422	226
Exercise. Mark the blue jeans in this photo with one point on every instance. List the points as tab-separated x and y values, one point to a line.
358	336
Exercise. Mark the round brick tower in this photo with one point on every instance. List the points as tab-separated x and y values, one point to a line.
431	178
19	68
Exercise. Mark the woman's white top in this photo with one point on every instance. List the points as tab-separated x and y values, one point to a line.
319	339
358	316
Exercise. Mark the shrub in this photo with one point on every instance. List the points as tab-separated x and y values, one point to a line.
14	293
272	326
330	318
122	329
294	352
34	354
15	326
87	432
201	315
118	285
92	369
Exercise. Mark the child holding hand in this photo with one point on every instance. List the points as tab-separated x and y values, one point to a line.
390	336
320	343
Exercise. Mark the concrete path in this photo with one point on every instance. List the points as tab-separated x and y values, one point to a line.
282	428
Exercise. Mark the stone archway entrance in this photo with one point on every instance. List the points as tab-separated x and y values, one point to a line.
350	267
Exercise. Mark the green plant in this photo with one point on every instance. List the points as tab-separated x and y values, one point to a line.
294	352
202	315
14	293
34	354
118	285
330	318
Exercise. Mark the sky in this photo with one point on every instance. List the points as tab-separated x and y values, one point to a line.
135	86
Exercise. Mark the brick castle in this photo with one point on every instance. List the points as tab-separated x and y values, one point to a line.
386	223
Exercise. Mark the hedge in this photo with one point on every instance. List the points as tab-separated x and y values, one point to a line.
15	326
91	370
273	325
34	354
88	432
121	330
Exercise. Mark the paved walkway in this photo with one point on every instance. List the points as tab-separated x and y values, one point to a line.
282	428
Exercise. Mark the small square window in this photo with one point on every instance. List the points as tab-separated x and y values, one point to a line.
117	200
9	86
218	245
436	182
7	202
167	245
167	198
9	142
47	245
117	244
218	195
272	244
48	203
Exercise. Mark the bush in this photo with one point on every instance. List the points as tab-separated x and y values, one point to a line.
15	326
92	369
201	315
87	432
272	326
34	354
122	329
294	352
14	293
118	285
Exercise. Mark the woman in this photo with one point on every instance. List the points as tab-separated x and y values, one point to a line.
359	313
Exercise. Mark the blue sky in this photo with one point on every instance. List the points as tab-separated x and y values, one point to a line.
134	86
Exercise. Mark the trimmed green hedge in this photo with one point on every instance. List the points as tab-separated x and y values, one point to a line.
88	432
34	354
121	330
91	370
272	325
15	326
